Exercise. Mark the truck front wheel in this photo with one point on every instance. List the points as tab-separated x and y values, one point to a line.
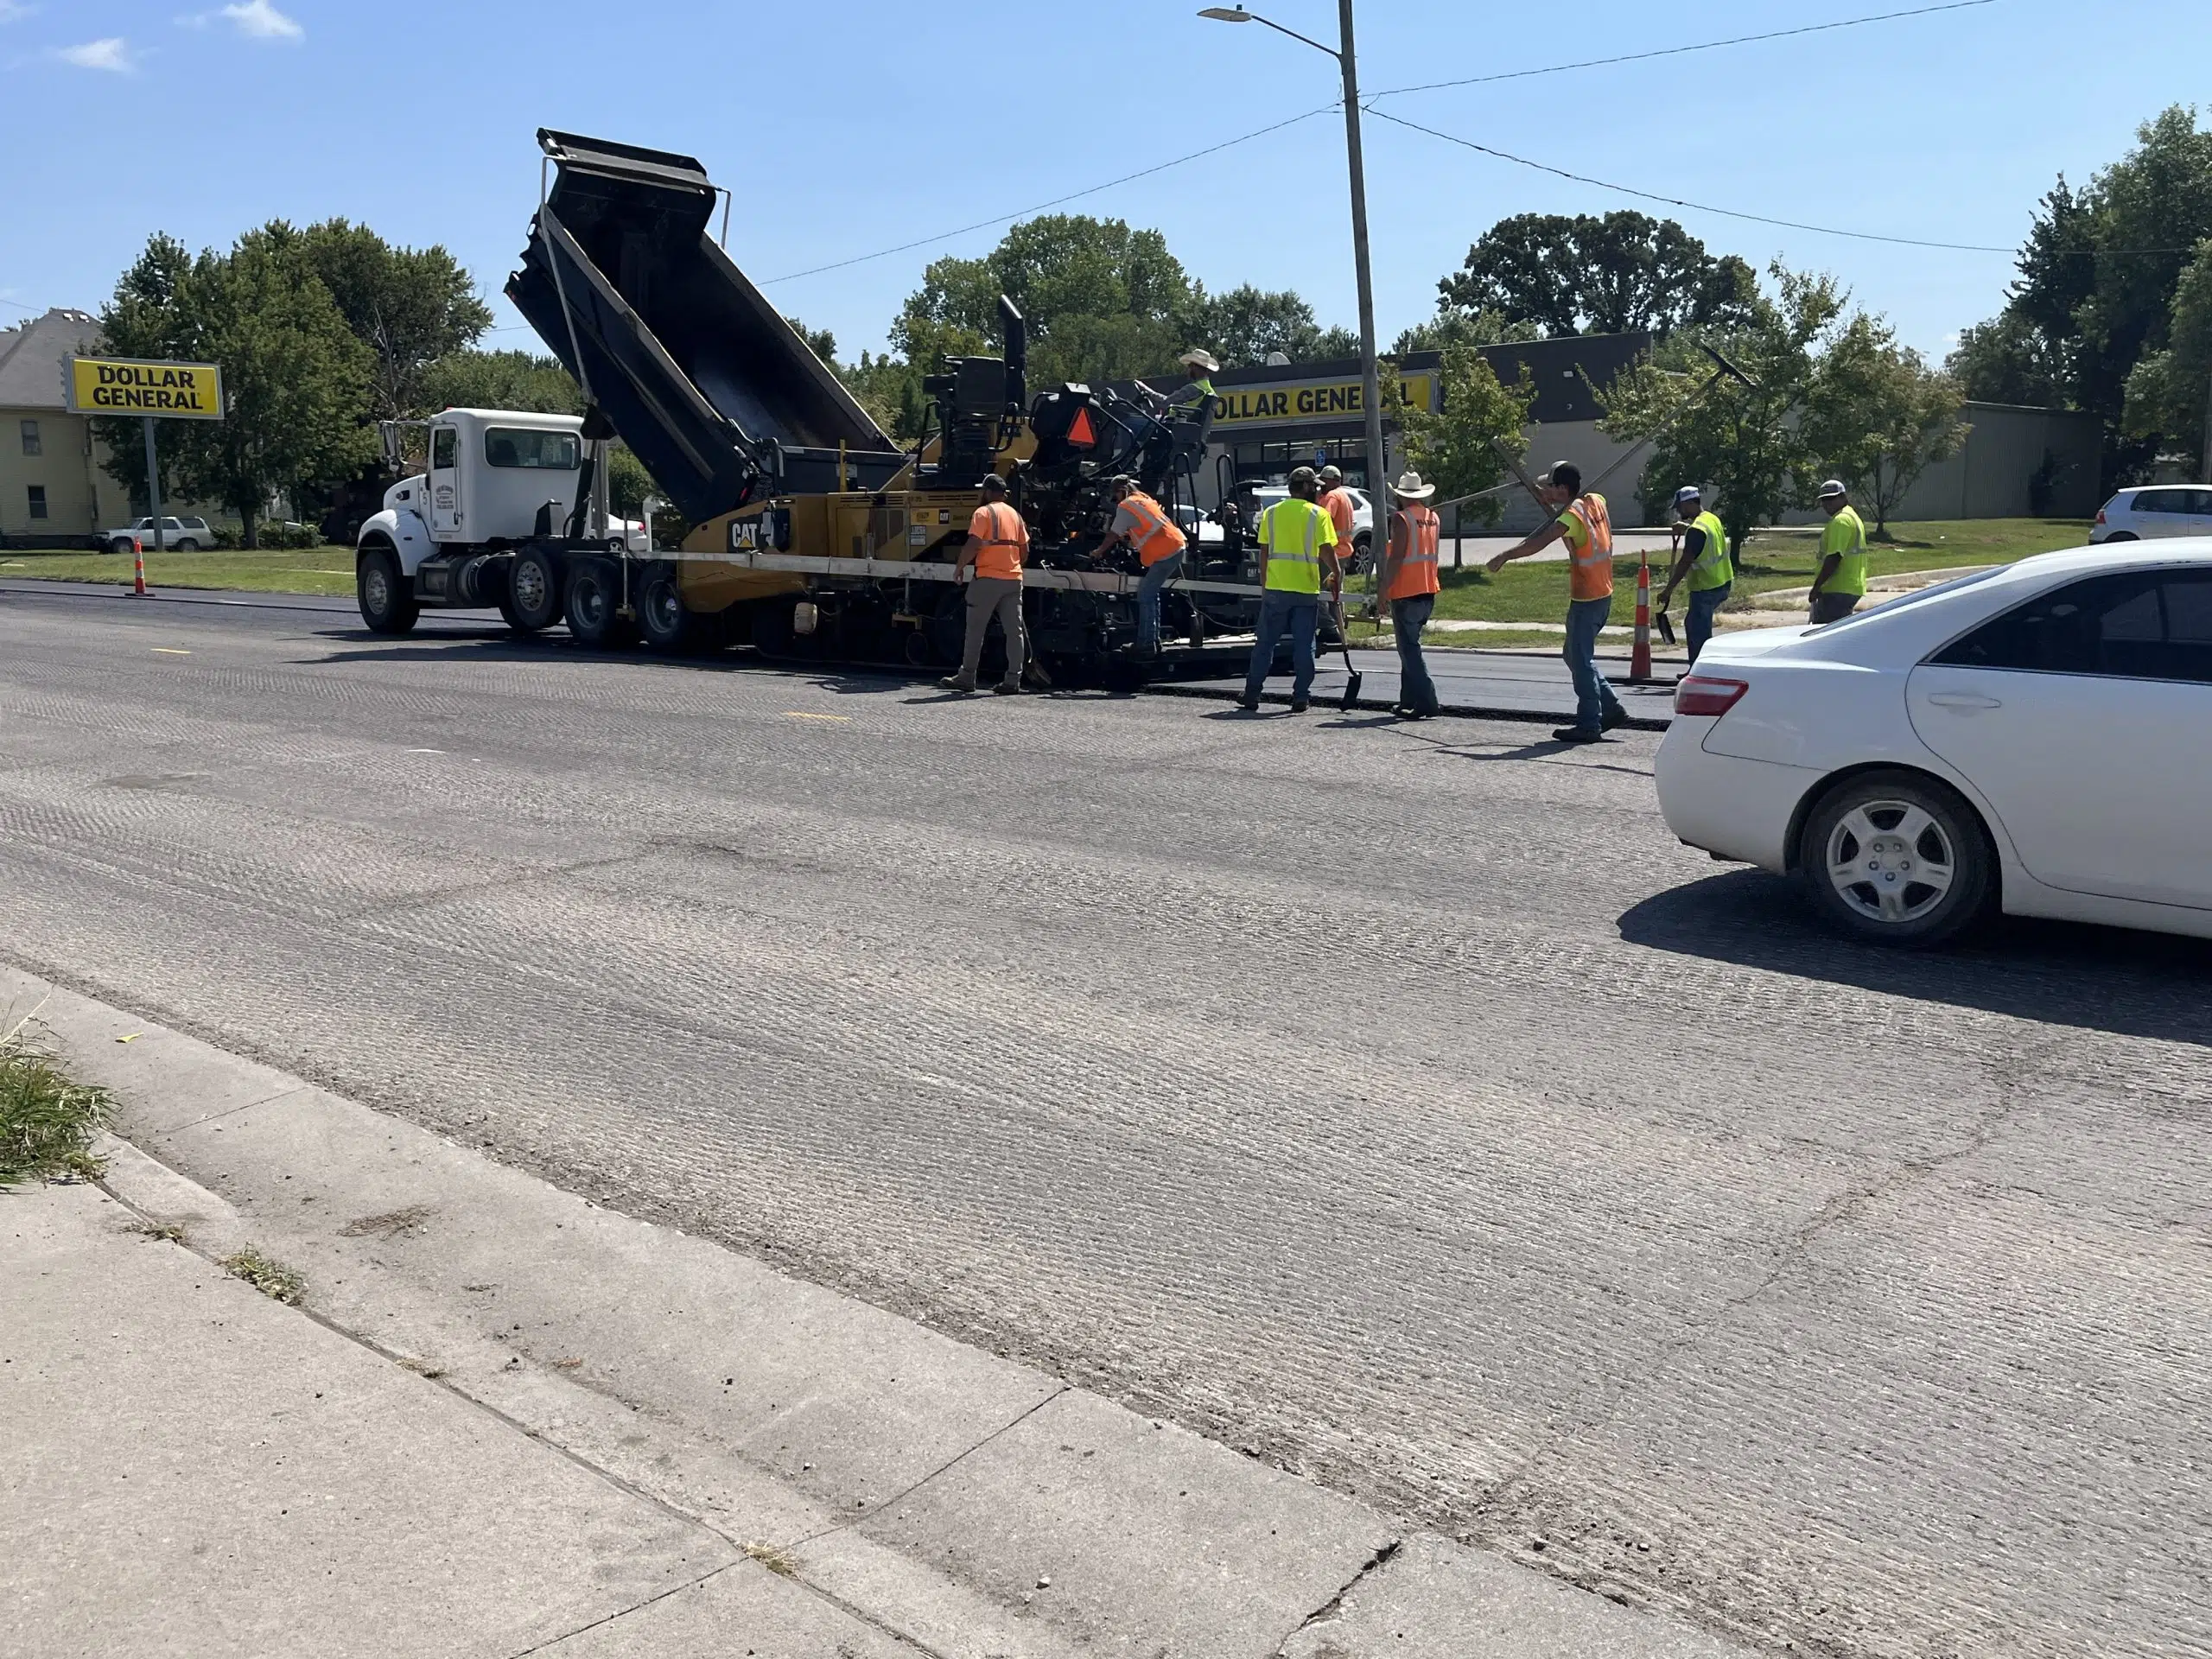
387	606
533	598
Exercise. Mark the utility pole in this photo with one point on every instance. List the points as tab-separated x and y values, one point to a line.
2206	474
1378	481
1370	375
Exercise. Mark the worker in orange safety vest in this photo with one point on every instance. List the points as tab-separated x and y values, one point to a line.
1144	524
1410	584
997	542
1585	524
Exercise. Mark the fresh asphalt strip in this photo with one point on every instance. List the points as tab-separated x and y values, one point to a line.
1471	684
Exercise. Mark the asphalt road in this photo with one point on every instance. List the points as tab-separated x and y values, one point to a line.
1402	1104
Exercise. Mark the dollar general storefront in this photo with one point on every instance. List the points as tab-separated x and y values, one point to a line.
1270	419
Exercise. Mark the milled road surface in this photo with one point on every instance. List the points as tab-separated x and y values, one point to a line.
1404	1105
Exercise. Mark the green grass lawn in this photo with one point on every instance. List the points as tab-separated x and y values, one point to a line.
311	570
1537	593
1520	593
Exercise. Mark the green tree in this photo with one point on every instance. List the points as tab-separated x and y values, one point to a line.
411	307
1452	327
2007	360
1706	428
1242	326
1451	446
508	380
820	341
2100	277
1580	274
297	379
1876	416
2168	389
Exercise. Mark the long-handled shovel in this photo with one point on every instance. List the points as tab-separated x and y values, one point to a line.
1350	700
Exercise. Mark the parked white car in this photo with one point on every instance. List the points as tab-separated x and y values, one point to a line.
1363	514
181	535
2154	510
2036	738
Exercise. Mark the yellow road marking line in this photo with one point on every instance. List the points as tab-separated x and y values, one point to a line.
794	714
171	651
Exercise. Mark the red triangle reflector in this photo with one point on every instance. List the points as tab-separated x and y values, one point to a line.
1080	433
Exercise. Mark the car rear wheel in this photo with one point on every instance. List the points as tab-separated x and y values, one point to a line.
1895	858
2119	536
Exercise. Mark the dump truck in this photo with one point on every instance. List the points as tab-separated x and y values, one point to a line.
816	535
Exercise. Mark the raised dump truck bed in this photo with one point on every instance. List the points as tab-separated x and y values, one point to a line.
715	393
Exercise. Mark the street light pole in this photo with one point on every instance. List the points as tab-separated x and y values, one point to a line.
1370	372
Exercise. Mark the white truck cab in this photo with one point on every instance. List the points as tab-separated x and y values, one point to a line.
488	520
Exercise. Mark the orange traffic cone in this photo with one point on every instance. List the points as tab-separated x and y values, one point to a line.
1639	662
139	567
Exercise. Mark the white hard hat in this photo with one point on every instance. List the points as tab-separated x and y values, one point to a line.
1833	487
1689	493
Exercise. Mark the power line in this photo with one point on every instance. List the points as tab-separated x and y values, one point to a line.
1075	195
1731	213
1678	51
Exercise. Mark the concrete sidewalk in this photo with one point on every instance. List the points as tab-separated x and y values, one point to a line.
507	1421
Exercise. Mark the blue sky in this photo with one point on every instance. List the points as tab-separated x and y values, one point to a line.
844	130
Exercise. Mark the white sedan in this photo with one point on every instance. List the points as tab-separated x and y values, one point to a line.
2037	738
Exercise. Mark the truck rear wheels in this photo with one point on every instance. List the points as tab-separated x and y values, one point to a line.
533	597
662	619
387	606
594	606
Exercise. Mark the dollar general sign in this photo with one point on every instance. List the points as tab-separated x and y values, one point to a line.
106	386
1285	403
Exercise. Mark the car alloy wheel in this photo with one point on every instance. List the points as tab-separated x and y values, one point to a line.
1891	862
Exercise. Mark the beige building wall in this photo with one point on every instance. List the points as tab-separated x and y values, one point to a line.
80	498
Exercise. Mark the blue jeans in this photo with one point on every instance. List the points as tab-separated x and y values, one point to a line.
1593	698
1408	617
1156	576
1297	614
1703	604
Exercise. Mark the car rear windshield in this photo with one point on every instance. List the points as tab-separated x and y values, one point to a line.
511	446
1906	601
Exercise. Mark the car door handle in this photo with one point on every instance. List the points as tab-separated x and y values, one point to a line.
1963	700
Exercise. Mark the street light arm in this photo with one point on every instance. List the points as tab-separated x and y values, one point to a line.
1239	15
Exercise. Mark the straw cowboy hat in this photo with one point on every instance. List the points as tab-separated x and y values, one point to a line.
1410	487
1200	359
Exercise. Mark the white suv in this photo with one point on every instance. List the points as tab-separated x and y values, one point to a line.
181	535
2154	510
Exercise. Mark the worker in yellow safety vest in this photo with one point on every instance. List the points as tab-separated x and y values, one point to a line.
1298	555
997	542
1703	562
1410	585
1840	582
1584	524
1143	524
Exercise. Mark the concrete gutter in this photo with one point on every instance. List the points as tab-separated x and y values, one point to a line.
965	1504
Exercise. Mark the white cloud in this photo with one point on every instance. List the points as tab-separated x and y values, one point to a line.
112	55
14	11
258	20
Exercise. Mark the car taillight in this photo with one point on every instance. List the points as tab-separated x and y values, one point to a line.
2101	515
1700	694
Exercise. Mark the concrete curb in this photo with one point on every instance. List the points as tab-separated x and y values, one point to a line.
961	1504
